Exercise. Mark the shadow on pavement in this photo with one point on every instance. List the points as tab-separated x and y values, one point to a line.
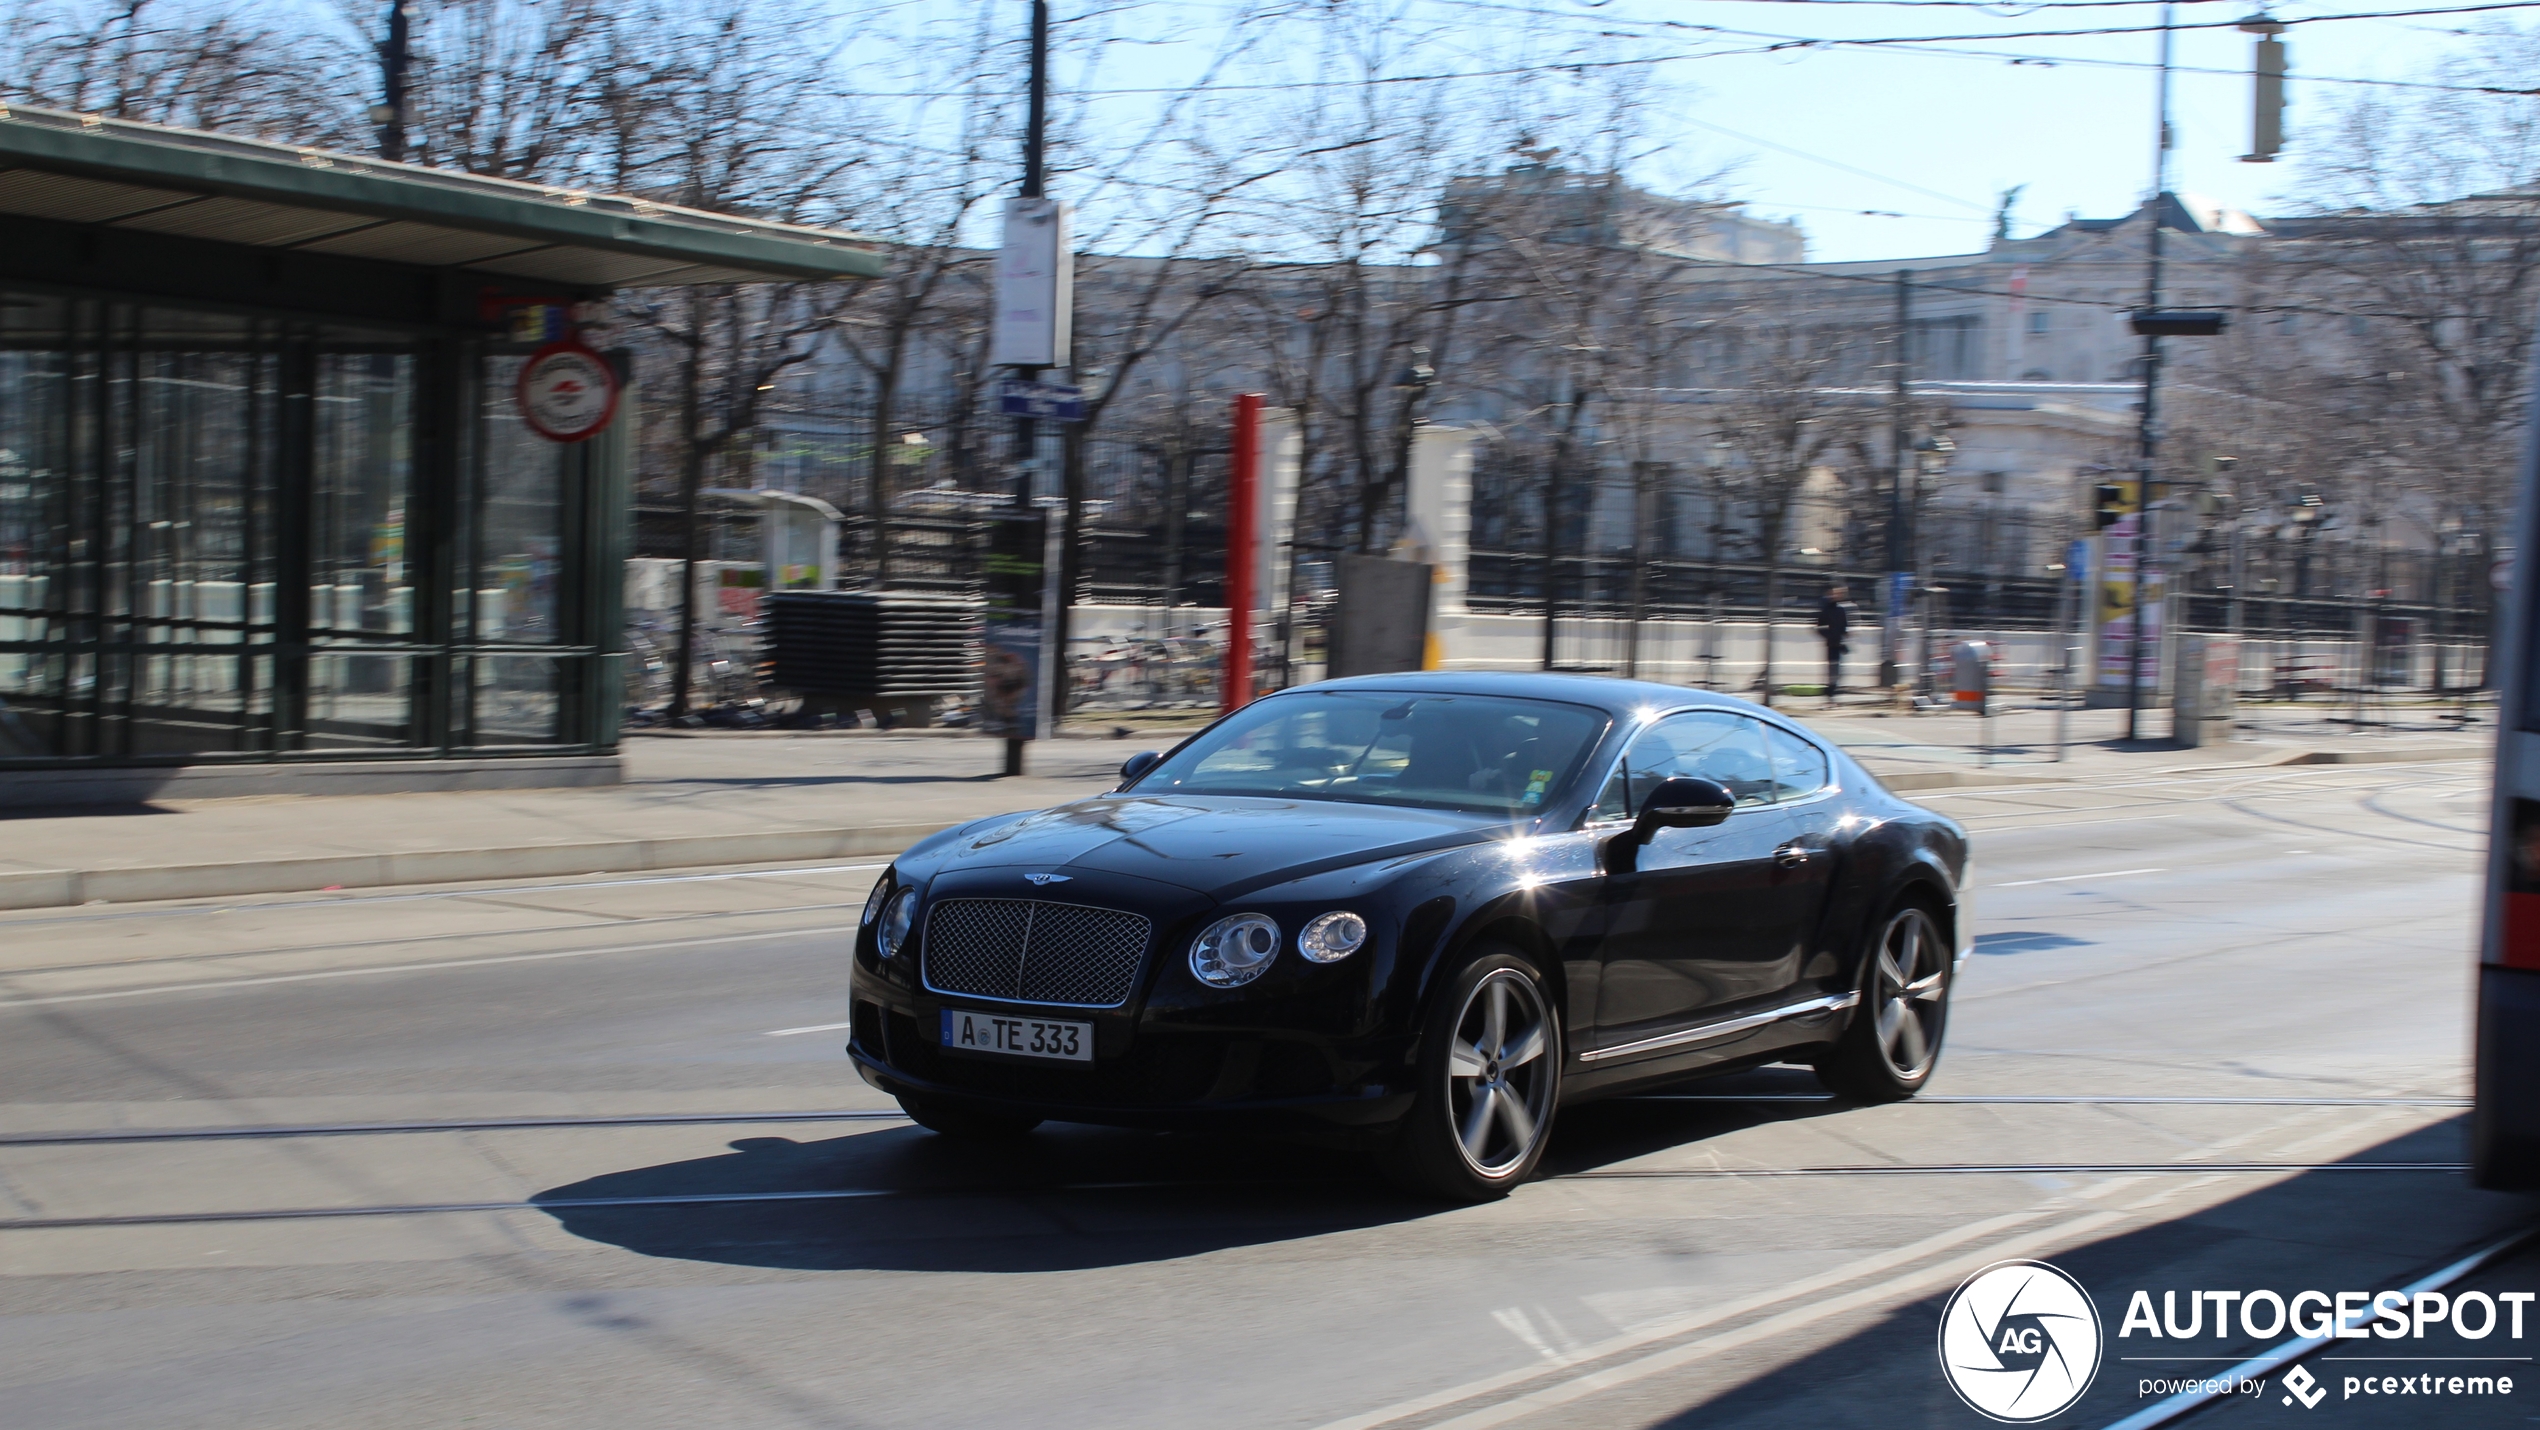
1072	1197
2326	1230
1065	1198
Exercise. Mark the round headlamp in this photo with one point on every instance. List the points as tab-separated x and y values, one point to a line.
1234	950
890	932
873	901
1331	937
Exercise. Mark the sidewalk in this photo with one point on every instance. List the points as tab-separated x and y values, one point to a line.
699	800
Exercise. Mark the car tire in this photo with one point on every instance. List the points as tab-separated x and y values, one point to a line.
1489	1074
1889	1047
964	1121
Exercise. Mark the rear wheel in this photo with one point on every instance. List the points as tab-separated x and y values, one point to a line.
1888	1050
1489	1081
964	1121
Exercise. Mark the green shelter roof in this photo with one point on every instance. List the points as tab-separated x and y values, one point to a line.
83	169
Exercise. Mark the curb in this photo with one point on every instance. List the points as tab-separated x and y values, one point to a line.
2385	757
51	888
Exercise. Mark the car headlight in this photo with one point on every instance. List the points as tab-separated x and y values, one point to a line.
873	901
1331	937
891	931
1232	951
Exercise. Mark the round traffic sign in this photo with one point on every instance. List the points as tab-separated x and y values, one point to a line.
567	393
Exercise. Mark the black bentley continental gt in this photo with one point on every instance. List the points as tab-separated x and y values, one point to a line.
1423	911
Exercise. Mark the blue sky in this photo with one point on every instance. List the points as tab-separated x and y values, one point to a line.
1925	141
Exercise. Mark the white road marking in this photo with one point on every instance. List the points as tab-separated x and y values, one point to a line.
814	1028
187	908
2069	878
1678	1325
217	984
1771	1327
1911	1283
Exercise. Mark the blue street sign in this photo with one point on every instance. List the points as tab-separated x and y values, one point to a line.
1049	401
2077	560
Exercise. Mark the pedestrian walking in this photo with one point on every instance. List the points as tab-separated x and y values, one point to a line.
1834	624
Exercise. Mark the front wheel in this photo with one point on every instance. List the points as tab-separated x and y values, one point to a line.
1489	1081
1889	1048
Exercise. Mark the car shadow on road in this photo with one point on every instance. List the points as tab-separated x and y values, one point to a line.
1067	1197
2347	1228
902	1199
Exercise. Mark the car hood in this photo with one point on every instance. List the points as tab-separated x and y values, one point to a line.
1213	844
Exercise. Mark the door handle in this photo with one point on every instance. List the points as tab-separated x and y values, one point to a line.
1791	856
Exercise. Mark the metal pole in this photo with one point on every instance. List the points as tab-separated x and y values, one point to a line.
2148	436
1027	435
2067	597
391	113
1243	504
1639	577
1892	632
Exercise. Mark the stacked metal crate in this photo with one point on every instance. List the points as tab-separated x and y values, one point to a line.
892	656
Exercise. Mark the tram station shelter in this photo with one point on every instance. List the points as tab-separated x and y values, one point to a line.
270	518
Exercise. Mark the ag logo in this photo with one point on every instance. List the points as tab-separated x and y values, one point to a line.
2019	1341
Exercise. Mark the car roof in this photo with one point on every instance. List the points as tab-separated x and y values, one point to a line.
1611	694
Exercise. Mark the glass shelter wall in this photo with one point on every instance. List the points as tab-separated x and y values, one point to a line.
244	537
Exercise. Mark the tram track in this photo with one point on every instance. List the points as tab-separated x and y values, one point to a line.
260	1131
102	1137
841	1194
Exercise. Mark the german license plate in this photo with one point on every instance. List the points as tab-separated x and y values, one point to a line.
1018	1037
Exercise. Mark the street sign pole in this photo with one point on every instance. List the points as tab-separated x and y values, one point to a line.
2149	435
1243	504
1030	331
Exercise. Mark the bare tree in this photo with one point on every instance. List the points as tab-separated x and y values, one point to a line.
198	65
1787	413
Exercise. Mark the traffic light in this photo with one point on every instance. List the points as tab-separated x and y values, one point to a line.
2108	504
2266	75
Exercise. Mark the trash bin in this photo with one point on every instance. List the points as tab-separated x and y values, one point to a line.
1971	675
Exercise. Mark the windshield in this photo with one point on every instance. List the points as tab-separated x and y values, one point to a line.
1482	754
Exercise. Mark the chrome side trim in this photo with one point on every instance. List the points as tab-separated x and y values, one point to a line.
1712	1032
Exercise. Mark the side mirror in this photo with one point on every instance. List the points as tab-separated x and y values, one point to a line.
1684	803
1680	803
1138	764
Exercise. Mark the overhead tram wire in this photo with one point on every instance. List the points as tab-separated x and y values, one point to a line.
1778	43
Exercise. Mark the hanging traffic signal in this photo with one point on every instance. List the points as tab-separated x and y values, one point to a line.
2108	504
2266	76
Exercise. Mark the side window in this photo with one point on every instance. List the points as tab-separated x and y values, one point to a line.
1707	744
1799	768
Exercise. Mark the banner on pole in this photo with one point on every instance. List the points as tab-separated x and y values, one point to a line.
1036	286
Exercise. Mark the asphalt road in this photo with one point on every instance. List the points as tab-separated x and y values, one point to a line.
587	1154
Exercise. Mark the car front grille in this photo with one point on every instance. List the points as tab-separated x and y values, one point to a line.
1034	952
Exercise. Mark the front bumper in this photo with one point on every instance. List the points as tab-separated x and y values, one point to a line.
1196	1078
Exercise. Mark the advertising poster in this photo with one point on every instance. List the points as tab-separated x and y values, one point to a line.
1010	636
2113	612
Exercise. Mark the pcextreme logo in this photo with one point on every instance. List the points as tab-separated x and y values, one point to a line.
2019	1341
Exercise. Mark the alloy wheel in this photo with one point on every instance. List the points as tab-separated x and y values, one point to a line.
1907	992
1499	1077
